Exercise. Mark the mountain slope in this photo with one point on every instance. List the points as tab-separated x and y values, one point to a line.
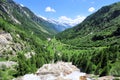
22	16
94	45
23	37
104	25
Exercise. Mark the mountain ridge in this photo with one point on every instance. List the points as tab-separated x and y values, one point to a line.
98	40
14	12
97	22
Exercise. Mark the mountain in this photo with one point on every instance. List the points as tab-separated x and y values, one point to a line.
23	40
99	29
59	26
22	16
26	42
94	44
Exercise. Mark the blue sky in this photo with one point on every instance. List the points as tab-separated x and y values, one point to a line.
72	11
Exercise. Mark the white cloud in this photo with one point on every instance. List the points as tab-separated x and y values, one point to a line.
49	9
70	21
91	9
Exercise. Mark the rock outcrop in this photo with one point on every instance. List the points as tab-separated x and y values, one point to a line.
58	68
62	71
8	47
56	71
7	64
5	38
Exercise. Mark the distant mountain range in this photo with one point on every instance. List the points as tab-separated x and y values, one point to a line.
22	16
60	26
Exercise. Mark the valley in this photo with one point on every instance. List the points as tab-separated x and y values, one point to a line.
28	42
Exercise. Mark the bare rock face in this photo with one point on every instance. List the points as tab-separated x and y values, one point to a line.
5	38
56	71
61	71
7	45
5	42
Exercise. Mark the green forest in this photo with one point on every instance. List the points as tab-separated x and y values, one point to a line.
103	60
93	46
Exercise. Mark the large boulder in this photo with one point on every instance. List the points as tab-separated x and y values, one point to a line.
56	71
60	71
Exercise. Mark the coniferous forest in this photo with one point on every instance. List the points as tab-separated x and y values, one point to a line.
93	45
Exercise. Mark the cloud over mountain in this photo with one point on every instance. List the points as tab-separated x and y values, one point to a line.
49	9
72	22
91	9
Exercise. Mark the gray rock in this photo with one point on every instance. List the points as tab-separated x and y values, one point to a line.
5	38
8	64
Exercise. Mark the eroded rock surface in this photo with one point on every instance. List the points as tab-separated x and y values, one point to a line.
62	71
56	71
5	38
